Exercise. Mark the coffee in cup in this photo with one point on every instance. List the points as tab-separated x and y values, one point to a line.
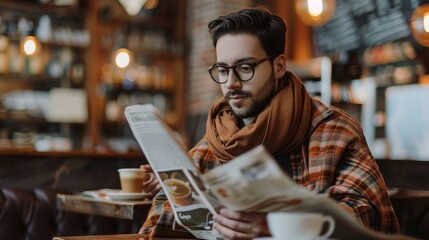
299	226
179	191
132	179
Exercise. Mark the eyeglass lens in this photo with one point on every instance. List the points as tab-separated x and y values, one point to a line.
244	72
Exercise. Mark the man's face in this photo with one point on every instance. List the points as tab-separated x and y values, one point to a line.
246	99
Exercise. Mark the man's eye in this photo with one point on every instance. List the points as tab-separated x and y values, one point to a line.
245	68
222	71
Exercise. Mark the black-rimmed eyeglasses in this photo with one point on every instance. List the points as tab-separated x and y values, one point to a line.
242	71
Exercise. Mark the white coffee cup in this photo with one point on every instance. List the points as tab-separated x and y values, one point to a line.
299	226
133	179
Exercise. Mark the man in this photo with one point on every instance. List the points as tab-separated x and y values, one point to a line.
320	147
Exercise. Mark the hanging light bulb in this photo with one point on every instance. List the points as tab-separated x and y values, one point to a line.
30	45
315	7
132	7
315	12
420	24
122	58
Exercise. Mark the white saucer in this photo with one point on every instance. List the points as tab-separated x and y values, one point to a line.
127	196
272	238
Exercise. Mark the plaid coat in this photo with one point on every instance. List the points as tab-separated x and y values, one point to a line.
334	160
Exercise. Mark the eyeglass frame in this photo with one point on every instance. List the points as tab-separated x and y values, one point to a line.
236	74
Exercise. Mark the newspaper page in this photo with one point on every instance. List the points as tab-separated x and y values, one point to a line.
252	182
241	184
193	206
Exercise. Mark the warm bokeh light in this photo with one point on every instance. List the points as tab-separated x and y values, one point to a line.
315	7
122	58
420	24
315	12
426	22
30	45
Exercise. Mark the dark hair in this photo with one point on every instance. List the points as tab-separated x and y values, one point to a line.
259	21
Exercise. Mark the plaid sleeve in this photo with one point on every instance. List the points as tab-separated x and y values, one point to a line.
360	188
341	165
160	213
160	220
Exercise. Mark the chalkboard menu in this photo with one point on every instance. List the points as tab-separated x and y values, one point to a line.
362	23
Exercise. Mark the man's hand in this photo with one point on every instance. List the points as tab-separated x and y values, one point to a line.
152	186
241	225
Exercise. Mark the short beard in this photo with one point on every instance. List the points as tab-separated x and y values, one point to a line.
259	101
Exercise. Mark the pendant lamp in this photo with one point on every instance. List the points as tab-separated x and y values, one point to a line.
315	12
420	24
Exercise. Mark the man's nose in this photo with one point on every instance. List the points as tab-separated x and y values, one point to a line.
232	81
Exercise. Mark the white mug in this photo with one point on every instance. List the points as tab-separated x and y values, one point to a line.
299	226
133	179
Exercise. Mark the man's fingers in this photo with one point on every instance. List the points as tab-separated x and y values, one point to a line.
228	233
147	168
154	189
250	217
251	224
245	227
152	186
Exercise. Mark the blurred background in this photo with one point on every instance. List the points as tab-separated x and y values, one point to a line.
68	67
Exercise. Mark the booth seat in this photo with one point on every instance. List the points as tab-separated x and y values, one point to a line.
31	214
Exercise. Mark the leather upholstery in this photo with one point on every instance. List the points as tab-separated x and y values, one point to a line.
32	215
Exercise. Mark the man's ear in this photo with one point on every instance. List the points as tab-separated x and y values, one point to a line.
279	66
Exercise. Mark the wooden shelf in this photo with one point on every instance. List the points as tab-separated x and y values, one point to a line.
117	88
34	121
32	79
69	154
52	44
29	8
168	19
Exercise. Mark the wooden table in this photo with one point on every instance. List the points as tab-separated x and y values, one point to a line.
106	237
104	207
118	237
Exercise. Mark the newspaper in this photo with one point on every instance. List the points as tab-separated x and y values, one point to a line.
252	182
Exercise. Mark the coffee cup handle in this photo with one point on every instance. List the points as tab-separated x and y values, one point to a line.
150	178
331	222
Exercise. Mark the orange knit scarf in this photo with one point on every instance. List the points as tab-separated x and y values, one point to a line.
280	127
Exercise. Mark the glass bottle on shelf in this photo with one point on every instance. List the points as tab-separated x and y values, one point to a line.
77	73
54	68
